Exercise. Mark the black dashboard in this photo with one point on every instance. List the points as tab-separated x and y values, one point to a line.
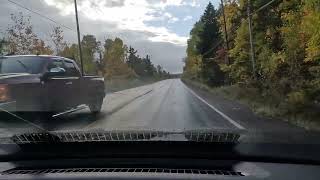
154	168
63	157
159	160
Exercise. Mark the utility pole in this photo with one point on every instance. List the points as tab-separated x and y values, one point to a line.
78	32
225	32
251	40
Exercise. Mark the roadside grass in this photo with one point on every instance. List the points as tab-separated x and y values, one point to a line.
271	105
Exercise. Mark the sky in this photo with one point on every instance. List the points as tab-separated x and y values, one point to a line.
159	28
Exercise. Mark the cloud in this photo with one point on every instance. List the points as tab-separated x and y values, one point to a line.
166	54
114	3
187	18
166	47
194	3
164	3
66	5
173	20
170	17
128	15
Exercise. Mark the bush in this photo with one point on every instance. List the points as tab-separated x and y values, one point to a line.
296	101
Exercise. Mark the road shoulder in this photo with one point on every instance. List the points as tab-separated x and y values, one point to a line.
241	113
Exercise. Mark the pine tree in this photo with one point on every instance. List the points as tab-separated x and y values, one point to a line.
209	38
210	34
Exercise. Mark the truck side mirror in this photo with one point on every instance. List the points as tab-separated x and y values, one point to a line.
56	71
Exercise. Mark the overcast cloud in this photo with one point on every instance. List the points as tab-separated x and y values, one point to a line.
159	28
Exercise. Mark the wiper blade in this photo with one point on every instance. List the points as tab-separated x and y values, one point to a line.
24	120
109	136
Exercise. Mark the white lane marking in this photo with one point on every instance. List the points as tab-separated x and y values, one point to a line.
215	109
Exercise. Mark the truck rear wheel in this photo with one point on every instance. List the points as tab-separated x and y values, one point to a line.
95	107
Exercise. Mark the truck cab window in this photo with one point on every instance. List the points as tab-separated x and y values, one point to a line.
55	64
71	69
32	65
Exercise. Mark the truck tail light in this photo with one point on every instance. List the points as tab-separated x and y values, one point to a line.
4	92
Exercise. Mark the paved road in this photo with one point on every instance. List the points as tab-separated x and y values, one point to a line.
168	104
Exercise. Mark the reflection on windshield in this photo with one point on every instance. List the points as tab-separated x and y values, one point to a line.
160	65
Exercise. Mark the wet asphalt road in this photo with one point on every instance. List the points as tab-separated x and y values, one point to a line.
165	105
169	105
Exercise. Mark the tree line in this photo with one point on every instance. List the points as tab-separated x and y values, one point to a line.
286	41
111	58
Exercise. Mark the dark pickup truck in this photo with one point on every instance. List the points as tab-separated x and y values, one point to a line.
46	85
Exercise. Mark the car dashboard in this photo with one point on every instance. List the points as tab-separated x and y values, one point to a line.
150	168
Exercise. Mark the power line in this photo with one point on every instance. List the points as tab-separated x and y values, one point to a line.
251	40
45	17
238	26
41	15
262	7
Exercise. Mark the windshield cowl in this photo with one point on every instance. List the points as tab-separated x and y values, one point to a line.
204	136
107	136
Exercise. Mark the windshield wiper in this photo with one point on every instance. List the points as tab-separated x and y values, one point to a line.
26	121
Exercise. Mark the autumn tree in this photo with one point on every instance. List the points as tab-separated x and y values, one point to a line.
72	52
311	26
57	38
22	39
114	59
233	18
20	34
89	47
40	48
193	61
286	41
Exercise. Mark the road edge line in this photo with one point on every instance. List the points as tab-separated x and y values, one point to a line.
233	122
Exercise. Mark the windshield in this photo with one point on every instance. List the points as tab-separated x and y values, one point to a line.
32	65
174	66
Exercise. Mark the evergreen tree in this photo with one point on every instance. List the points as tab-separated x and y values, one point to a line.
210	34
